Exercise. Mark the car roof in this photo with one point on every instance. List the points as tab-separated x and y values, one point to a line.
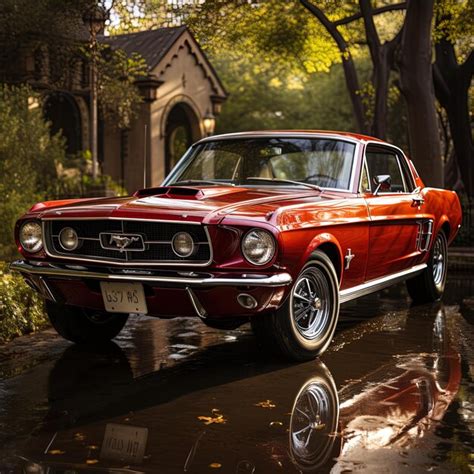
293	133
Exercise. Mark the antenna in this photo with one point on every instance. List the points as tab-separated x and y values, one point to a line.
144	155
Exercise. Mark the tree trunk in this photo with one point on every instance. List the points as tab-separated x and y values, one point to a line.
416	82
381	78
382	60
452	83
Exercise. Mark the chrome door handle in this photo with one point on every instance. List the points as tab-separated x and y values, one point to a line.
418	201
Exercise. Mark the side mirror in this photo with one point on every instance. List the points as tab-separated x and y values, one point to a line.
383	182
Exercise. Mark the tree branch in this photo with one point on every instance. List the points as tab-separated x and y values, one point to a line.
327	23
373	40
350	72
375	11
467	67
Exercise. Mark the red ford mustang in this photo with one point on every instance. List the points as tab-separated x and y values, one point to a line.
278	228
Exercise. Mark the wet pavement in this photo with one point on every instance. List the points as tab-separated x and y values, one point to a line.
394	393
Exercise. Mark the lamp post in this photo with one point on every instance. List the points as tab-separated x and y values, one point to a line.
209	122
94	18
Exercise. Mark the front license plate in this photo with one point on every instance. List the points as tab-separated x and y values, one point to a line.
123	297
124	443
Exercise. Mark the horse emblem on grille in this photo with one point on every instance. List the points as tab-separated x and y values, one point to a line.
122	242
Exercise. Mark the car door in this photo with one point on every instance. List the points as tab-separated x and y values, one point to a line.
396	213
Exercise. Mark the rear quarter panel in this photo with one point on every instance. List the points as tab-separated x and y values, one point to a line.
445	209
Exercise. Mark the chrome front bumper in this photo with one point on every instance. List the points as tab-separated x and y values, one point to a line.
186	279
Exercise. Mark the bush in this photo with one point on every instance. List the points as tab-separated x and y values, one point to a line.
29	157
33	164
21	309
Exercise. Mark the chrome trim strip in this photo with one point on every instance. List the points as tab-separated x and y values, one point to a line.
198	307
48	218
147	263
277	134
378	284
279	279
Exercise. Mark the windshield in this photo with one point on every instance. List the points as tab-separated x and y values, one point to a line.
322	162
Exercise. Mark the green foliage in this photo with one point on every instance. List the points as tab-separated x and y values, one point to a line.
28	159
280	33
119	98
21	309
263	101
454	22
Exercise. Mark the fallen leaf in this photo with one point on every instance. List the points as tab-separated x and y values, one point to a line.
208	420
55	452
276	423
215	465
92	461
265	404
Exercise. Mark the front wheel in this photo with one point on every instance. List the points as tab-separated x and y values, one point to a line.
84	326
429	285
303	327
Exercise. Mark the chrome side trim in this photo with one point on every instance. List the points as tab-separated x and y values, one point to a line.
49	270
198	307
379	283
147	263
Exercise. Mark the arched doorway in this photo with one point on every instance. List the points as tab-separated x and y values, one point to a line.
182	129
62	111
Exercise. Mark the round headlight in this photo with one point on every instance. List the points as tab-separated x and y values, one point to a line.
31	237
258	246
183	244
68	239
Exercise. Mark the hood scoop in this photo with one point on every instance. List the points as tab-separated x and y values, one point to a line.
177	192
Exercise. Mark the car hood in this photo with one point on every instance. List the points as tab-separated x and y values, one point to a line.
200	204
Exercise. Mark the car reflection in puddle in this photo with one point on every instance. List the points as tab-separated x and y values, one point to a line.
216	410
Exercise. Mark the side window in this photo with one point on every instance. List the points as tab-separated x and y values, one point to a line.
380	162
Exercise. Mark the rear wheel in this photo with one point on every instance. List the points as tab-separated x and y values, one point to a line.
303	327
84	326
429	285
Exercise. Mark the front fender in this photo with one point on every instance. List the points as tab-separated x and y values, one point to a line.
319	240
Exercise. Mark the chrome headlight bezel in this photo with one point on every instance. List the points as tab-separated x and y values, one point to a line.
267	251
74	239
189	238
30	236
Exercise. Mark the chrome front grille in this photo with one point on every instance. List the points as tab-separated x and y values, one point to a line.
153	247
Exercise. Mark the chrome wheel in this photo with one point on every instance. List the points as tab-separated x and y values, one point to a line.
313	423
439	261
311	304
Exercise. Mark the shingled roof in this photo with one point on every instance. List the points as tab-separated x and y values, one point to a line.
152	45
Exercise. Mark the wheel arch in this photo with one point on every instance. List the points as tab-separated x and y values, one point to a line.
329	245
445	226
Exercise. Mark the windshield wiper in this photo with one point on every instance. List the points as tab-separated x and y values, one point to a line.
201	181
289	181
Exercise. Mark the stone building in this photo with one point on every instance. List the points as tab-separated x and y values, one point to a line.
181	94
181	91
